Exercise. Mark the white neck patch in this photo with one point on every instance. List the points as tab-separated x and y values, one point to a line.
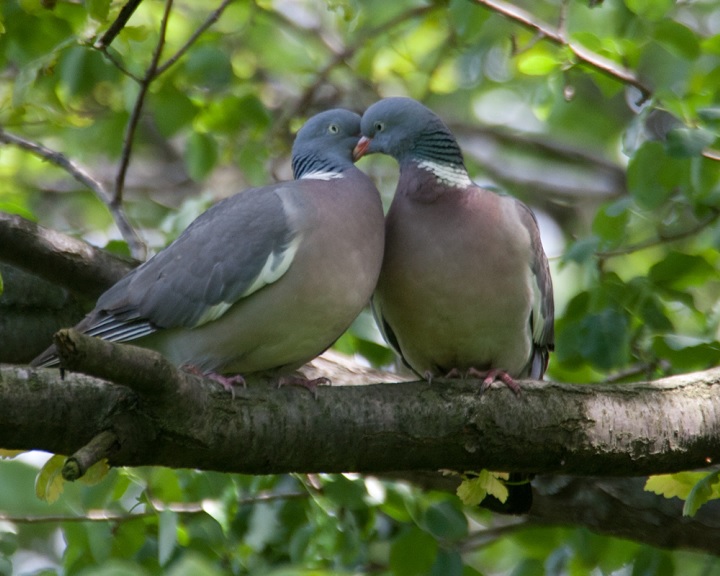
447	174
322	176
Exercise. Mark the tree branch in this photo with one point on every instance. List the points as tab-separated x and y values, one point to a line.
209	21
600	63
129	136
58	258
633	429
116	27
603	430
84	177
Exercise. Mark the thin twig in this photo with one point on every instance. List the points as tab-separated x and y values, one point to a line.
339	57
113	516
214	16
82	175
125	13
487	536
137	108
652	242
600	63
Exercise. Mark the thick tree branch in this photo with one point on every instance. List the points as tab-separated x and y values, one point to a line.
627	430
604	430
58	258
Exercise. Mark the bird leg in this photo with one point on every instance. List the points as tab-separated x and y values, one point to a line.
227	382
307	383
490	376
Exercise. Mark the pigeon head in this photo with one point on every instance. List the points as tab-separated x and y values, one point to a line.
325	143
405	129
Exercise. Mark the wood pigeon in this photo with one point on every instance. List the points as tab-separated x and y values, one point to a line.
465	287
264	280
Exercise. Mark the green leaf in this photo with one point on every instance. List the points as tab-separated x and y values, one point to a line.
673	485
201	154
710	114
172	109
537	64
611	221
96	473
98	9
679	271
413	553
209	66
345	492
706	489
650	9
653	562
447	563
688	142
687	352
678	39
600	338
445	521
193	564
473	490
582	250
653	176
49	483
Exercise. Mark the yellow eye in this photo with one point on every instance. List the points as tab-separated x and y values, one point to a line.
333	129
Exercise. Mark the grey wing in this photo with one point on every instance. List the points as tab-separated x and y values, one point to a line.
542	318
387	332
233	249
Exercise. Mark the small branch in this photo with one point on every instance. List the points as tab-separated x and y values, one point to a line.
303	102
80	174
600	63
145	371
100	447
214	16
157	506
132	124
660	240
125	13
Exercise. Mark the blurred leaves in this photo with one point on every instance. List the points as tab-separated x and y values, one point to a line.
637	286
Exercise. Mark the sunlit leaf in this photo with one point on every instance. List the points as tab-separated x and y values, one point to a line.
96	472
49	483
473	490
537	64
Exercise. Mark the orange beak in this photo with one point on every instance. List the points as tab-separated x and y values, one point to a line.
361	148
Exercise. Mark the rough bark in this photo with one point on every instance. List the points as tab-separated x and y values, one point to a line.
156	415
58	258
171	418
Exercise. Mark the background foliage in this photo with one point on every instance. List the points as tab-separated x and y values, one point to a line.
600	115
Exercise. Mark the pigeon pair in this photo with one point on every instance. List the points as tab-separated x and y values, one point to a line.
267	279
